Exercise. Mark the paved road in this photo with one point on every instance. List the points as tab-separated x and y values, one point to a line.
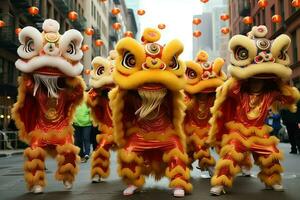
12	185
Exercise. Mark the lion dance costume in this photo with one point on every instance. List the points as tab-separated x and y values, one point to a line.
49	91
101	82
203	78
148	112
260	72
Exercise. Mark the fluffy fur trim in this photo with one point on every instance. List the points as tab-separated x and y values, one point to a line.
175	153
248	131
221	180
251	70
269	180
49	61
106	135
267	161
229	149
221	96
136	182
33	153
227	163
178	170
129	173
128	157
100	171
277	168
204	84
178	182
288	91
206	162
33	165
38	178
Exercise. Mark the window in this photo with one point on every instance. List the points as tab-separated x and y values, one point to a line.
263	12
294	47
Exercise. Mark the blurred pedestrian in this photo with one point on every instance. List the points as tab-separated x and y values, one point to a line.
274	120
94	133
291	121
83	127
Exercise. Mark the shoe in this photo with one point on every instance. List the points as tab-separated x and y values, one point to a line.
86	157
130	190
275	187
217	190
96	179
37	189
246	172
178	192
68	185
83	160
211	170
293	152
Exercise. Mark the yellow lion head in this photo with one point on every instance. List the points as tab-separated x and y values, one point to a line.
139	65
204	76
259	57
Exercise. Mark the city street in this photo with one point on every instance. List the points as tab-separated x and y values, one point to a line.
12	185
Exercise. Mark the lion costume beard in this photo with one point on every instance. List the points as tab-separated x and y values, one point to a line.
151	101
51	83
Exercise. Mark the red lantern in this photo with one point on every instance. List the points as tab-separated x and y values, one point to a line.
115	11
225	30
276	18
33	10
196	21
87	71
248	20
116	26
2	23
296	3
224	17
89	31
85	47
73	15
141	12
204	1
18	30
262	4
128	34
99	42
197	33
161	26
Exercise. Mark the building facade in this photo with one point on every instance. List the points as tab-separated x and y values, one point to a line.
289	25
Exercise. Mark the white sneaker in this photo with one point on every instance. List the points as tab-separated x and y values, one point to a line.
68	185
246	172
275	187
211	170
129	190
178	192
37	189
96	179
217	190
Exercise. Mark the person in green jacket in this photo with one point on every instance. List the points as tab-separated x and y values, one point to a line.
83	127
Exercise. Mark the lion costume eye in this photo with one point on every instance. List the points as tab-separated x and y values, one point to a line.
241	53
100	70
71	48
128	60
190	73
174	63
29	46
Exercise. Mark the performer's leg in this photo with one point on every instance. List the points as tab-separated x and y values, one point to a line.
177	170
130	169
100	158
227	167
67	161
86	133
79	139
246	165
268	157
34	168
202	154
